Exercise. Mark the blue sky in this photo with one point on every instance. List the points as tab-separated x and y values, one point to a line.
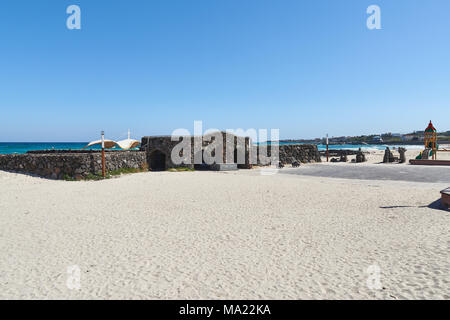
305	67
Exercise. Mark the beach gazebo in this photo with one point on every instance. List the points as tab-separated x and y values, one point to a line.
431	139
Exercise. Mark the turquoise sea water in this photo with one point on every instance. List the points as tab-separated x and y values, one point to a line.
364	147
23	147
367	147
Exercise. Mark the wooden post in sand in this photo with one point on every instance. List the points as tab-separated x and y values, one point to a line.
103	155
327	148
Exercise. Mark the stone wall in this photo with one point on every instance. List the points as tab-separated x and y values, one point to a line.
304	153
288	154
162	146
253	154
57	164
60	164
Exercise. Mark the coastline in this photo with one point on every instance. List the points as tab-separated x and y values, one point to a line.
23	147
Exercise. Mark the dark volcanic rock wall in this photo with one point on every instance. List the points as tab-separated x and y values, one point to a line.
304	153
288	154
59	165
165	145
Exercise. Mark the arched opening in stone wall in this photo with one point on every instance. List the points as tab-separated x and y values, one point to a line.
157	161
202	165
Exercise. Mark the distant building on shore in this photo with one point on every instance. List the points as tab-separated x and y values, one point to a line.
409	137
377	139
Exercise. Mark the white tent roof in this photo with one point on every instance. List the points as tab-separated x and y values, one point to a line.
108	144
128	144
123	144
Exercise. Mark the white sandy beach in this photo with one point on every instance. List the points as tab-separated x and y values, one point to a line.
235	235
136	139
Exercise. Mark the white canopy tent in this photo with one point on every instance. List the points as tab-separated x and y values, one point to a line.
128	144
108	144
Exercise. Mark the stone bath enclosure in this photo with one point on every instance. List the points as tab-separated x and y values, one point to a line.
159	150
244	152
155	154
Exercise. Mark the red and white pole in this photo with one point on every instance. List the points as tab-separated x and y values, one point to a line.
103	155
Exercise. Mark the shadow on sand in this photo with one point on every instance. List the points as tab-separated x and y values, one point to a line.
27	174
395	207
437	205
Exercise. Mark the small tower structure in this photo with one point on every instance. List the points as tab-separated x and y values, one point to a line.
431	140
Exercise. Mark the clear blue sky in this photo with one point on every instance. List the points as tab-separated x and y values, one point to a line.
305	67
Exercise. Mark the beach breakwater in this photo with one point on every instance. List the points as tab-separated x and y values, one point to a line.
76	164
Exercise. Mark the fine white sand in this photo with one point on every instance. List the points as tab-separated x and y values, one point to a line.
236	235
